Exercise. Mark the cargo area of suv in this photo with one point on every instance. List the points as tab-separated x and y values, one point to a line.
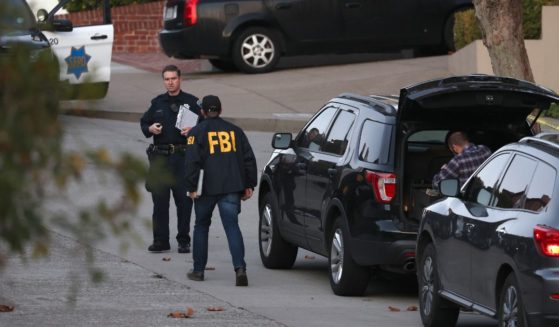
353	183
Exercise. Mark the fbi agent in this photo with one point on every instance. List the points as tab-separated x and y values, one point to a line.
167	161
223	152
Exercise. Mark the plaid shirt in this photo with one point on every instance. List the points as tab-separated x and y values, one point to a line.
463	165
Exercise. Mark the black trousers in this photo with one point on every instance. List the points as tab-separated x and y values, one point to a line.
174	164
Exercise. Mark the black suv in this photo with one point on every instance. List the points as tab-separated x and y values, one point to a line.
19	28
352	184
493	246
251	35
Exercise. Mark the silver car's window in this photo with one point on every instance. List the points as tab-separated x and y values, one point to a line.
512	191
483	183
541	187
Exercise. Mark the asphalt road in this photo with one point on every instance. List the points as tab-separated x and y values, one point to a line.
141	288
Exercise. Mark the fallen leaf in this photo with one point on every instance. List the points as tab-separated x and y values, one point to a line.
309	257
412	308
6	308
166	258
215	308
210	268
393	309
182	314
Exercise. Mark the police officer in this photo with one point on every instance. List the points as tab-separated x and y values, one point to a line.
167	161
222	151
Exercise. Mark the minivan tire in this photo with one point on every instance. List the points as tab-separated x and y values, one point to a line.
435	311
256	50
347	278
511	308
275	252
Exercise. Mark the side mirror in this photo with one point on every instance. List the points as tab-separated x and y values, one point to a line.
281	141
42	15
62	25
450	187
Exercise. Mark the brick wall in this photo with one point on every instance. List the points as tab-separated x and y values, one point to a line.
136	26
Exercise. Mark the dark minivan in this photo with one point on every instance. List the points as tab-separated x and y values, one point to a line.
251	35
352	184
493	246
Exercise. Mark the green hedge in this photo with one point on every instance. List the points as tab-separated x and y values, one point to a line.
82	5
466	28
553	111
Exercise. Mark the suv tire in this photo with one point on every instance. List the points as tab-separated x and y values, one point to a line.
275	252
346	276
256	50
511	308
435	311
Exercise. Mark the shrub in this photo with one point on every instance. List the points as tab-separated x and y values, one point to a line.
82	5
466	28
553	111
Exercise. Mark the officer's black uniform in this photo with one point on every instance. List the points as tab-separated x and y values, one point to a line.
169	147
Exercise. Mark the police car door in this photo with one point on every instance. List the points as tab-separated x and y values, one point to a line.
84	52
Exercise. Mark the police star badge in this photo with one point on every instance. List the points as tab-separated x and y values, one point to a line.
77	62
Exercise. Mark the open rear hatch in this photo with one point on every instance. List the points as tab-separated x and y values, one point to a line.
495	110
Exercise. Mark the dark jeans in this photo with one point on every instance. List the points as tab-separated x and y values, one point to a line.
161	196
229	207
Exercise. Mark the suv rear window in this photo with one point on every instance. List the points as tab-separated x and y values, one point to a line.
373	140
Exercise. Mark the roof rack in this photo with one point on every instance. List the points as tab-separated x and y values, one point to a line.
382	104
549	139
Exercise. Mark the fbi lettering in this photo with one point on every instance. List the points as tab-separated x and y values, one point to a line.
225	140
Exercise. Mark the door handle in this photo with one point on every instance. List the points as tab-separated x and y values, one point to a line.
283	5
501	232
99	37
301	165
332	172
352	5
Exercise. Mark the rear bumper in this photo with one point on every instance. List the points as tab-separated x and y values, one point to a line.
541	309
397	256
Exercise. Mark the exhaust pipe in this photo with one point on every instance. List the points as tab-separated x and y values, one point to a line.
409	266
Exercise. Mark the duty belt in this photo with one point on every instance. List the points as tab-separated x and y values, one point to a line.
167	149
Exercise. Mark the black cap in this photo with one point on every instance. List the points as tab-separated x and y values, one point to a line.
211	103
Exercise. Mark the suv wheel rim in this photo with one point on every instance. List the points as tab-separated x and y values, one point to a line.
337	256
510	308
257	50
266	230
428	287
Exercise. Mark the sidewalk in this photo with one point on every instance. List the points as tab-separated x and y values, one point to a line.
40	292
154	62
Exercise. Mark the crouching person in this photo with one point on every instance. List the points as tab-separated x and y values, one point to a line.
220	151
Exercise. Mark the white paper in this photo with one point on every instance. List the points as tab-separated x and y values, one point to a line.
185	117
200	183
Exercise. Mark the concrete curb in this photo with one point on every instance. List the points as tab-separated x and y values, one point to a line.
248	124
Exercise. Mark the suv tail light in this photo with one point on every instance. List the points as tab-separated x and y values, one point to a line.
384	185
547	239
190	14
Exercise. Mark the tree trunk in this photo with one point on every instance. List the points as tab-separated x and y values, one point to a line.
501	25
